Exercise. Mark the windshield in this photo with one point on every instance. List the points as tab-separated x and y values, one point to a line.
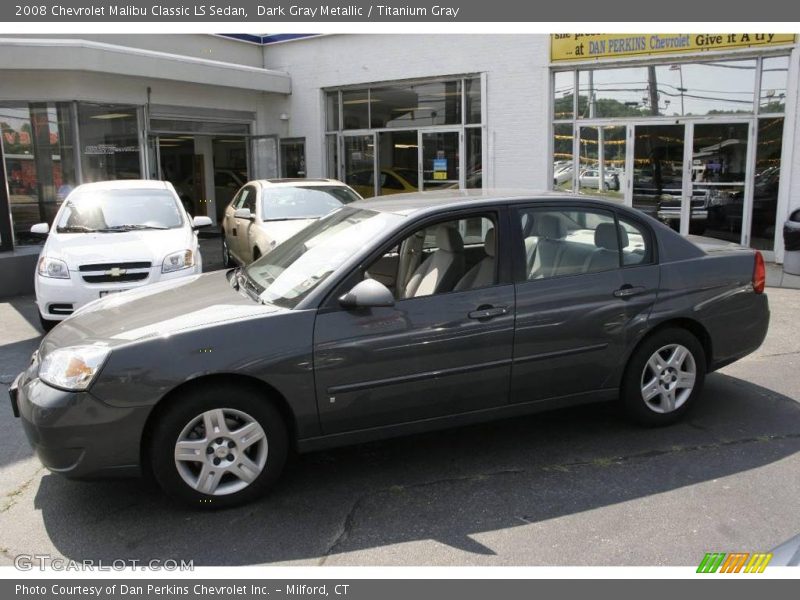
119	210
304	202
288	274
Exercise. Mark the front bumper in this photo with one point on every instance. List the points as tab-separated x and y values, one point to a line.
74	433
59	298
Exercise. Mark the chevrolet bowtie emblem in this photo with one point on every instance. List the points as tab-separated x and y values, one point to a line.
116	272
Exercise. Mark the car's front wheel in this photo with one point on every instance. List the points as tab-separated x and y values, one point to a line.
216	446
664	377
47	324
227	261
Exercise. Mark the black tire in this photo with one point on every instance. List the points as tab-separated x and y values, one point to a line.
47	324
186	408
227	261
631	395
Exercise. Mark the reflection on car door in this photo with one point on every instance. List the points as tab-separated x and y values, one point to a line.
424	357
578	313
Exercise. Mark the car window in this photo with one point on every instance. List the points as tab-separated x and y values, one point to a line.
569	242
248	199
449	256
311	202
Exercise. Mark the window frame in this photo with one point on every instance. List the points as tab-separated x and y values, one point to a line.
504	276
518	259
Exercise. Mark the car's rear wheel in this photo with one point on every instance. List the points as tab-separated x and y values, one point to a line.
664	377
216	446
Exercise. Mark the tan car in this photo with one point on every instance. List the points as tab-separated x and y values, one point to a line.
266	212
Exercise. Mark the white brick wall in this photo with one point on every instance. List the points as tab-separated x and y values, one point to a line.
517	88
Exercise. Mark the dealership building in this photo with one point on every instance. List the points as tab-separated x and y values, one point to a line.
698	130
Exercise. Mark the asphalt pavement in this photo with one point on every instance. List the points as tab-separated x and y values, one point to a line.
575	487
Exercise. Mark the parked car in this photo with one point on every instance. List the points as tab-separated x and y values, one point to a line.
388	318
590	178
110	237
265	212
562	172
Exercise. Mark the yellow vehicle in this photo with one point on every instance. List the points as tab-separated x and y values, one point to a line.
393	181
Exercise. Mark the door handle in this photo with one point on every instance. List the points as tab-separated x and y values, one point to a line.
487	312
627	290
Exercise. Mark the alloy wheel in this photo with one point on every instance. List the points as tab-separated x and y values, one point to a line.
221	451
668	378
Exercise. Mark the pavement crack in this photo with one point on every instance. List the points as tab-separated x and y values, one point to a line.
347	527
12	497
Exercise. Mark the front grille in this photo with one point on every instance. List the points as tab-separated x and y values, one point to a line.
118	265
118	272
60	309
122	278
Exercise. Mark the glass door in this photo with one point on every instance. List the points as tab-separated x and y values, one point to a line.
358	163
602	161
440	156
718	178
658	171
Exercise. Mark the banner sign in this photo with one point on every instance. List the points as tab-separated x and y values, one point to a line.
589	46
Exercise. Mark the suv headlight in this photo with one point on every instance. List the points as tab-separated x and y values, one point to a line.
74	367
176	261
52	267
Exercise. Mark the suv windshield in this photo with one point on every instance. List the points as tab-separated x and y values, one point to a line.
119	210
304	202
288	274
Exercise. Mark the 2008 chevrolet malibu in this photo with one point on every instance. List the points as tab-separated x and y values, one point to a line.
384	318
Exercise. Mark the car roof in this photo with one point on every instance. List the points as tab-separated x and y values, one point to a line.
123	184
418	202
297	182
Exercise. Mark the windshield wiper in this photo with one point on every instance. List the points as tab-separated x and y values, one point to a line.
75	229
132	227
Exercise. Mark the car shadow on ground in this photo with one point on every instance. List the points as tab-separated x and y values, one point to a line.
444	486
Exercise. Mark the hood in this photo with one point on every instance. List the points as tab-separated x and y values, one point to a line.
156	310
147	245
280	231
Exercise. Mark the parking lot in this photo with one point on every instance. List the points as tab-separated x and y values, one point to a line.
574	487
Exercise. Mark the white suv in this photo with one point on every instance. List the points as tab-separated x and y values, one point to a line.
109	237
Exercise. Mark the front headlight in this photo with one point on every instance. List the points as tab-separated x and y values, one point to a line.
177	261
52	267
74	367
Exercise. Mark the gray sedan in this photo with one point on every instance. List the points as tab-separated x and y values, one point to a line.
387	318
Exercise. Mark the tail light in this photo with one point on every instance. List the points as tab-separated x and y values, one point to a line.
759	274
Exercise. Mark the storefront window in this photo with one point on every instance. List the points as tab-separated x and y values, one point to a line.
680	89
474	178
472	91
563	95
109	137
774	73
355	109
40	162
293	158
397	155
602	160
434	103
562	157
436	124
767	178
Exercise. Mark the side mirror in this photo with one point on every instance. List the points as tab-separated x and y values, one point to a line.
40	229
367	294
243	213
199	222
